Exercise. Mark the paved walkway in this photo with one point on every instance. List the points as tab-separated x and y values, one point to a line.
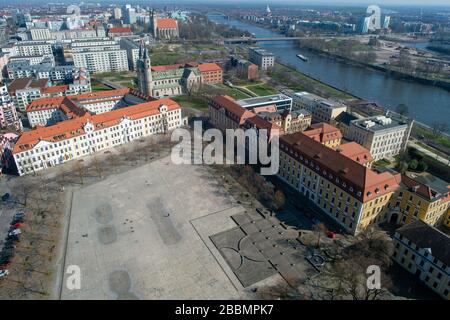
445	161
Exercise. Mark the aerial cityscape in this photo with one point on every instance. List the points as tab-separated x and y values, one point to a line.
224	150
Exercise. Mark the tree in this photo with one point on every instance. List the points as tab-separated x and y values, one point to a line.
79	169
402	109
413	164
372	247
320	229
279	199
97	166
422	166
438	128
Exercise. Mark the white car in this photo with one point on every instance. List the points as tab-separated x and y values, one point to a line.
15	232
4	273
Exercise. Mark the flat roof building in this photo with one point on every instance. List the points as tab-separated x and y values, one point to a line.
322	110
280	100
383	136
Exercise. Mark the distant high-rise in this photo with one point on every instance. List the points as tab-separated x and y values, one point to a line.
117	13
144	70
129	15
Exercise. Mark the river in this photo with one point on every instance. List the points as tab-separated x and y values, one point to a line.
426	103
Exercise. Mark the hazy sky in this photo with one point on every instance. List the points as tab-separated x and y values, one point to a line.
379	2
323	2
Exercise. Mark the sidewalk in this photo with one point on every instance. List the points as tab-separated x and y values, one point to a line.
429	153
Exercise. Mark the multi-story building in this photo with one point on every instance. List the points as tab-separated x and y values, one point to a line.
40	34
163	28
117	13
44	70
420	197
100	58
346	190
132	48
129	15
322	110
46	147
355	152
33	48
343	122
211	73
25	90
118	32
280	100
383	136
289	121
324	133
32	60
245	69
8	113
168	80
48	111
262	58
423	251
226	113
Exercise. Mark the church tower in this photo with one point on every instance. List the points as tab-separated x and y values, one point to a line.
144	71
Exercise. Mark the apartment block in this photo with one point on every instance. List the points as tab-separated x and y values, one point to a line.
350	193
420	197
322	110
324	133
103	56
383	136
423	251
262	58
46	147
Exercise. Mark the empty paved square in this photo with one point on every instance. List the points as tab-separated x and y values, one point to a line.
144	234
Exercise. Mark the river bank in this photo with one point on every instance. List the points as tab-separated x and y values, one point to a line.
394	73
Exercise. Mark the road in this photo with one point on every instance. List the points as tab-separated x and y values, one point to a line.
443	160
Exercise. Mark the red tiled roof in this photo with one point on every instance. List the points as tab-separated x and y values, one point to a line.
167	67
239	114
166	23
24	83
323	132
364	183
100	94
54	89
355	151
422	189
208	67
119	30
74	127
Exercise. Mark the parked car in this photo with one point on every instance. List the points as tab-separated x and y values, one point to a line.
3	273
5	197
16	225
331	234
15	232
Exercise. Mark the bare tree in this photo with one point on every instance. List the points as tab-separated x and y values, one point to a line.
79	169
97	166
320	229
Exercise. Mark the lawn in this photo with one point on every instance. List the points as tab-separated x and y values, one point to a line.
191	102
262	89
297	81
233	92
443	140
97	86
